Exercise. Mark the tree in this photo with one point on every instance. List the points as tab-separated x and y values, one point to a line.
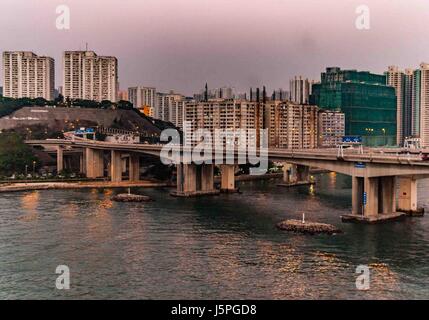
125	105
105	104
59	100
14	154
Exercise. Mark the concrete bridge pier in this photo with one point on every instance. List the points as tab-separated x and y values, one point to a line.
60	159
195	180
82	164
373	200
94	163
227	183
295	175
115	166
407	198
134	167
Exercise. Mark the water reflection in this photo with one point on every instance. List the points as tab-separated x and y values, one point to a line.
29	203
224	247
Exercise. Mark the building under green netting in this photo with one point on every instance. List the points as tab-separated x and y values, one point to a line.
368	103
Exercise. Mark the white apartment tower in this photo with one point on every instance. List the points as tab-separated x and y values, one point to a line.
395	78
26	75
424	105
170	107
89	76
142	97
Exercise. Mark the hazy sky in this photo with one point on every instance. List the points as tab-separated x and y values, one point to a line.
181	44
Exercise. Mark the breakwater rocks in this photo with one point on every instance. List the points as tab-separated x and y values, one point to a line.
127	197
308	227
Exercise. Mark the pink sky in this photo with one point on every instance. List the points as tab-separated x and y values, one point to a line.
181	44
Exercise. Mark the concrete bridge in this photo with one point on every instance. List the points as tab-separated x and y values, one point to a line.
375	173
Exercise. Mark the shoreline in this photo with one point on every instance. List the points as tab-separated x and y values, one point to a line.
64	185
16	187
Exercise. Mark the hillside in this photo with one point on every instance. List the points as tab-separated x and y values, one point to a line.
40	122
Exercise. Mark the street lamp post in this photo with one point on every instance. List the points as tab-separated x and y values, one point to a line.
34	168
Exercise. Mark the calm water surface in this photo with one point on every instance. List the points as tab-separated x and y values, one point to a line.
223	247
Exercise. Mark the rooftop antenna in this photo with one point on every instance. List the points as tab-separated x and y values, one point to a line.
86	46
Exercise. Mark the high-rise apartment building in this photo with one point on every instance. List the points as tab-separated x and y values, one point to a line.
412	91
424	105
142	97
89	76
368	103
331	128
415	106
26	75
223	114
300	90
396	79
170	107
407	115
291	125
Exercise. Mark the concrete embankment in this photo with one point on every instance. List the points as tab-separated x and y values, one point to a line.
14	187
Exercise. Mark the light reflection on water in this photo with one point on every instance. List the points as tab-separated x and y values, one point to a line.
213	247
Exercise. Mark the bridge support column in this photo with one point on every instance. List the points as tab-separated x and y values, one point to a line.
134	167
115	166
82	167
407	198
303	173
357	195
373	200
60	159
227	184
295	175
371	191
94	163
194	180
287	173
207	177
388	194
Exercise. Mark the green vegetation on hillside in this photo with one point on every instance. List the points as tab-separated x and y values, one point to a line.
15	155
10	105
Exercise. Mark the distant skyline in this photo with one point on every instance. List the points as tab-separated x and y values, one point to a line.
182	44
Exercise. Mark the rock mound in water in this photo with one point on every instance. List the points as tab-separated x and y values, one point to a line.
307	227
127	197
